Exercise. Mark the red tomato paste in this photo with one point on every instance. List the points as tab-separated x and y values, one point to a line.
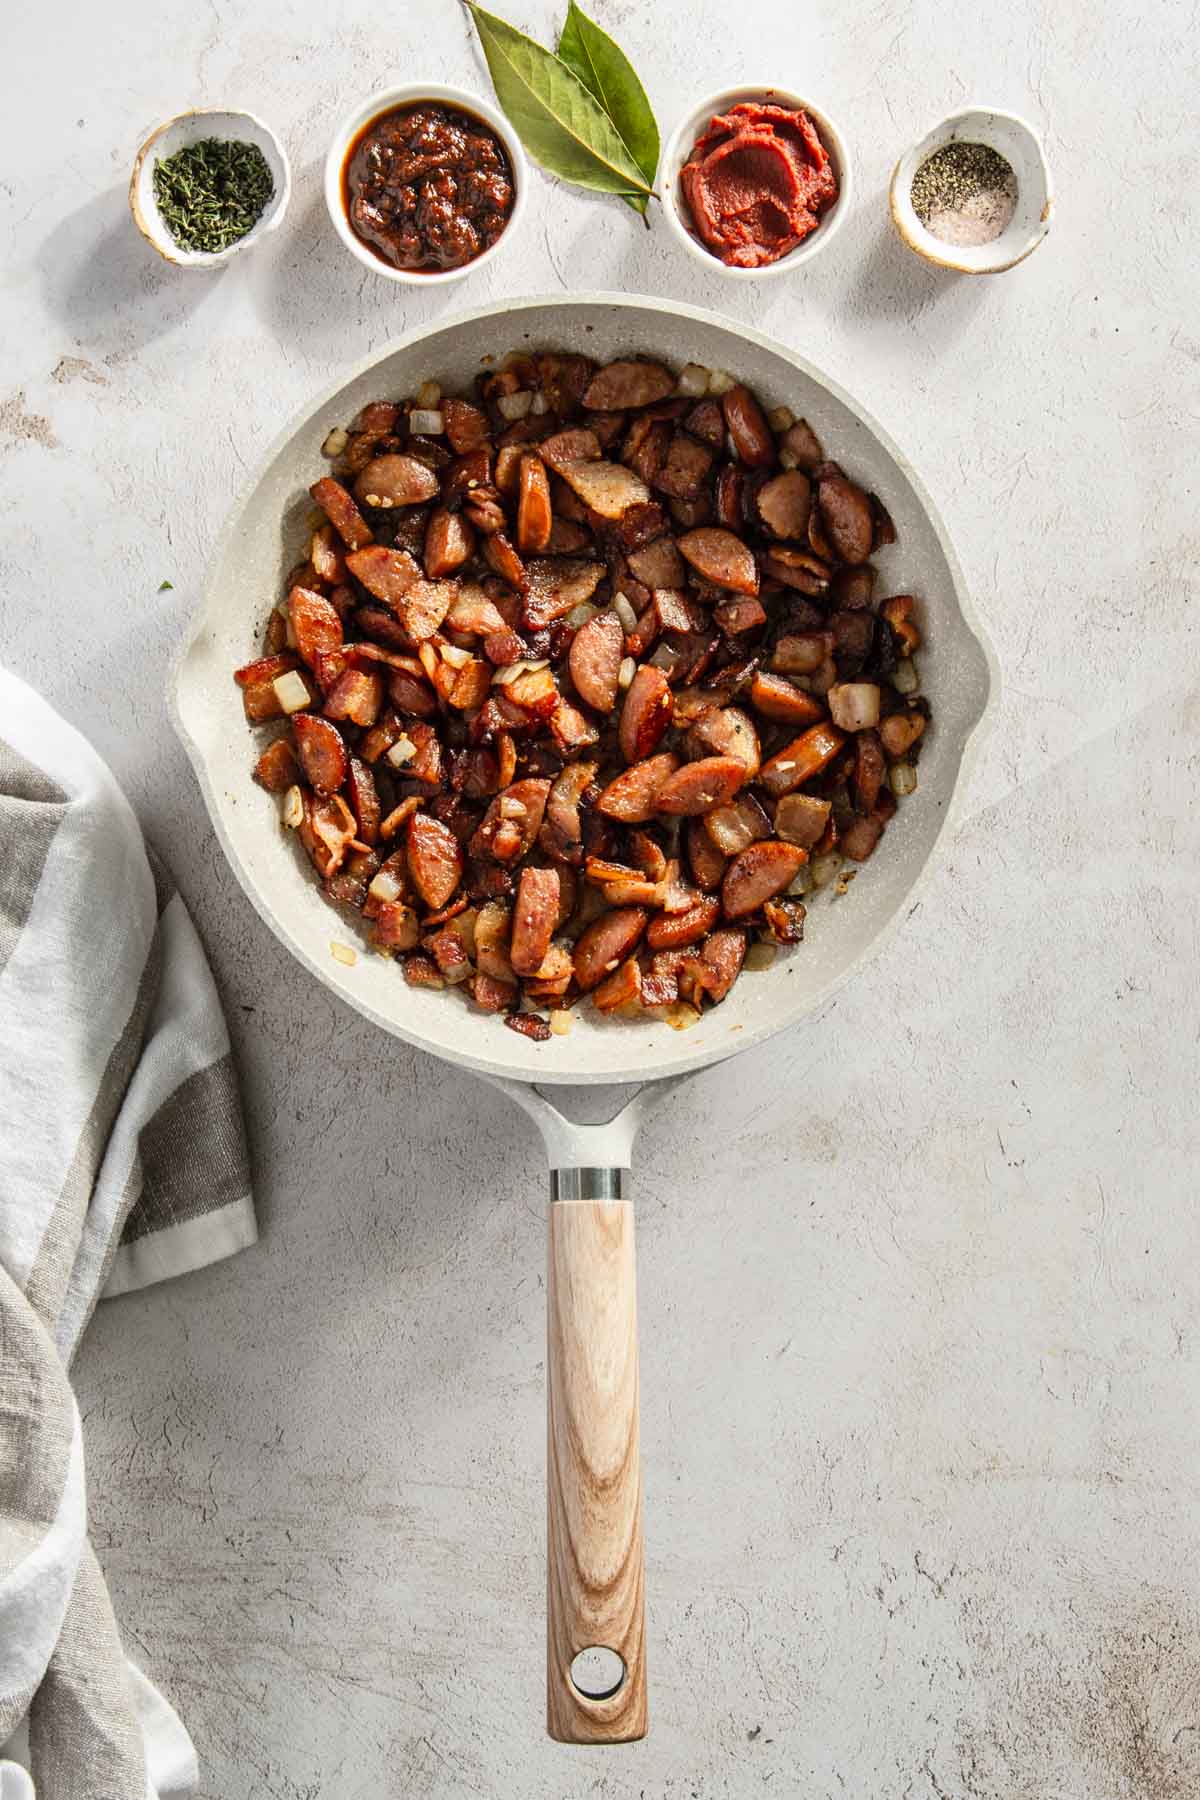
757	182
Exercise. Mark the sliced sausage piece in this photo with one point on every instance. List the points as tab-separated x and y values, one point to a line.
535	913
395	480
394	926
562	833
471	611
555	585
315	624
748	428
580	444
802	445
705	860
364	800
737	616
646	714
606	488
861	836
449	543
672	931
321	751
733	827
491	995
699	786
624	384
720	557
686	468
658	564
435	859
424	606
727	731
776	698
595	658
800	760
759	873
796	569
783	503
340	510
622	988
606	943
846	516
500	555
870	768
388	574
512	821
633	796
534	518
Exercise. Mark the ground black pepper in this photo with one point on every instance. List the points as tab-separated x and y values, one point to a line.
964	193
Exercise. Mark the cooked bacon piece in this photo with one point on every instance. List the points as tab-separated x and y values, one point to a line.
716	969
512	821
624	384
277	769
356	695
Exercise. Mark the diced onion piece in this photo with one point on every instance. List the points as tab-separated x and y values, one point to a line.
759	956
579	615
292	810
680	1016
788	458
825	868
623	607
428	657
665	657
540	405
401	752
720	382
854	705
428	395
291	691
780	417
336	442
693	381
902	779
626	672
905	678
560	1021
510	671
343	953
801	882
458	659
515	406
387	885
425	421
511	808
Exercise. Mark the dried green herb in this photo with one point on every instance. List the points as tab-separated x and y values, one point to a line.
163	586
211	193
558	118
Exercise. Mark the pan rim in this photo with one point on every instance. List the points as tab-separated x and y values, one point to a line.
747	1035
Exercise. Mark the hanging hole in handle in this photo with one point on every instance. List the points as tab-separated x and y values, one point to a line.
598	1673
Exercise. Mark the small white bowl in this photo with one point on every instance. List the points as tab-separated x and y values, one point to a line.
387	101
189	128
679	148
1015	139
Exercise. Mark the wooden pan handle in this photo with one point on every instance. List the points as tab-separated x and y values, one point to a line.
595	1597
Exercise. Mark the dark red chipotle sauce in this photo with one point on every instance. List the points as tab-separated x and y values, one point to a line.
428	187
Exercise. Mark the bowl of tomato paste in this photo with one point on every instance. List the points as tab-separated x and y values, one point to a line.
755	180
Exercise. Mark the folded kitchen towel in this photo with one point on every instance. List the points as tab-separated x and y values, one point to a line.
122	1161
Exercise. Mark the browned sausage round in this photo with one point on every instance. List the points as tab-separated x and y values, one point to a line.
758	874
606	943
397	480
434	859
846	516
449	542
783	503
728	731
535	914
646	714
748	428
721	558
315	624
534	518
776	698
705	860
595	658
699	786
321	751
633	796
624	384
671	931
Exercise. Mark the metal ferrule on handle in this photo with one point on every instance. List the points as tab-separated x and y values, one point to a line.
589	1184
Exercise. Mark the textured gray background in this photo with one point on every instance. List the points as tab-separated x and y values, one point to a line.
919	1284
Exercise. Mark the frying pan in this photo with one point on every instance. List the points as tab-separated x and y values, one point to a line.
596	1664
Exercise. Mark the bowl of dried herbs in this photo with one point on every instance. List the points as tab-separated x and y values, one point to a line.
207	185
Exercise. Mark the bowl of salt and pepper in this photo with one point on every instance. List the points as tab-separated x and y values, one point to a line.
974	194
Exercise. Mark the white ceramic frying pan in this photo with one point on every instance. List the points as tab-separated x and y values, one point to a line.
596	1674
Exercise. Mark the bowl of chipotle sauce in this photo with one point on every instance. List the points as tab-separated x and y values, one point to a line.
755	180
424	183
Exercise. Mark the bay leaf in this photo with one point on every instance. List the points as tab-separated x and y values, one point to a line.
561	124
607	72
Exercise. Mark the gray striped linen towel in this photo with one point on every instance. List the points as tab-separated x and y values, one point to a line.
122	1161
